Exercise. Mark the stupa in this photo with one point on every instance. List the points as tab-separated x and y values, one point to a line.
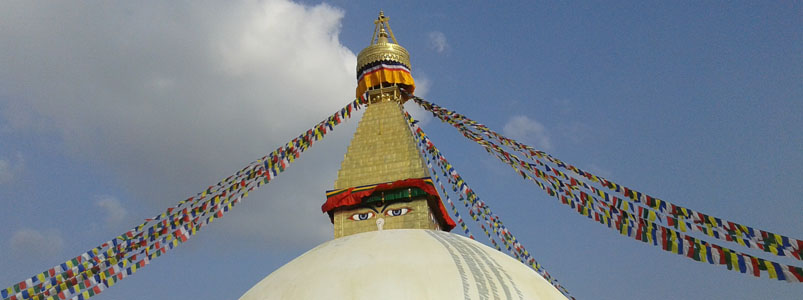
391	231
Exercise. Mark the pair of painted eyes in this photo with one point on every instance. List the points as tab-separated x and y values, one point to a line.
391	213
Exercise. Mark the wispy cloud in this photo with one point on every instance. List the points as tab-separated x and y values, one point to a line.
600	171
422	86
528	131
114	211
29	243
437	41
10	168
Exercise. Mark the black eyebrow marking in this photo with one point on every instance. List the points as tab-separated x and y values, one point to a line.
385	207
365	205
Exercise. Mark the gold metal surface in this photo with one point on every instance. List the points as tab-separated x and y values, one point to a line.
381	22
380	48
382	150
386	94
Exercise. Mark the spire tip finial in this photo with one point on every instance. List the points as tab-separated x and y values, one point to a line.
383	49
382	29
382	18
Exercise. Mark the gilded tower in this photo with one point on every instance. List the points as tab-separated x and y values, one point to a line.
382	188
383	182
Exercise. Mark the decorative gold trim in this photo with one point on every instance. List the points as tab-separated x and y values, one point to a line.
383	51
380	48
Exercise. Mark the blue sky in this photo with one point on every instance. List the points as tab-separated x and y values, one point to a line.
111	112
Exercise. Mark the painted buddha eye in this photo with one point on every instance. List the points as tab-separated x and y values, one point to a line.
397	212
361	216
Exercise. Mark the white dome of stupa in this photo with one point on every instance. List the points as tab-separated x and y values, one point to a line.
403	264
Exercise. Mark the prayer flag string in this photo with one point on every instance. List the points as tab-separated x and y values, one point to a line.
647	230
446	194
460	187
101	267
718	228
623	217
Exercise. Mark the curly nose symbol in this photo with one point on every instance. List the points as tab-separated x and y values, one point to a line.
379	223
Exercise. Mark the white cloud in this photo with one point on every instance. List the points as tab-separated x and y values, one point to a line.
574	131
418	113
114	211
10	168
600	171
422	86
437	41
34	243
528	131
177	102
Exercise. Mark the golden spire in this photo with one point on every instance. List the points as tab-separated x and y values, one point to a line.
396	59
383	182
381	23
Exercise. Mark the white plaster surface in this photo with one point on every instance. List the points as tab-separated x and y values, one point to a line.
403	264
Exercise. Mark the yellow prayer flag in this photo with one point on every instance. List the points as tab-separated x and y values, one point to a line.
743	228
703	252
735	261
673	241
771	269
